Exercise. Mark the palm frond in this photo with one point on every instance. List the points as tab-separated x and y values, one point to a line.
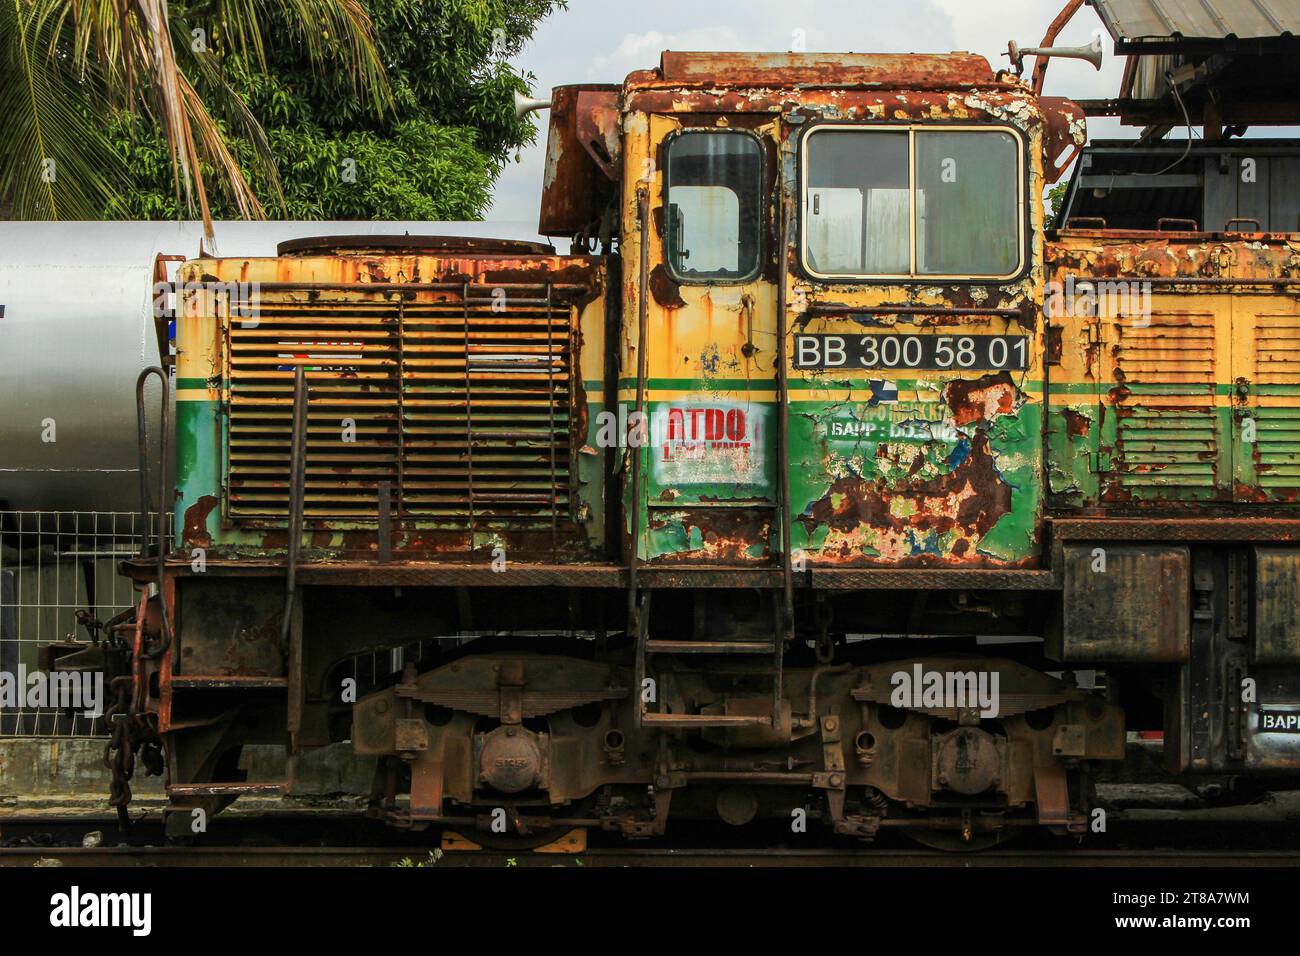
329	30
212	145
142	61
55	162
222	102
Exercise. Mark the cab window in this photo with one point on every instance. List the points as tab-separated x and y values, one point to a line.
912	202
715	206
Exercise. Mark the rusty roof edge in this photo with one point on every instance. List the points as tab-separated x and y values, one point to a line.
688	69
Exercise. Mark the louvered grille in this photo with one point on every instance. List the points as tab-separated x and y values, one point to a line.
1167	431
1277	390
459	400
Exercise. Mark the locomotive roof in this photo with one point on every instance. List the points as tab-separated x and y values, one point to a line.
818	70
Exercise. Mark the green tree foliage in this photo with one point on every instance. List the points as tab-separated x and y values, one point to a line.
1053	200
431	152
67	67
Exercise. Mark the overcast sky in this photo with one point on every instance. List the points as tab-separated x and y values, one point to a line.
601	41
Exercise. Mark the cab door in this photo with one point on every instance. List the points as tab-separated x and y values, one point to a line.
709	486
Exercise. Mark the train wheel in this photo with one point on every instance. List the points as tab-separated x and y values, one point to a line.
951	841
470	837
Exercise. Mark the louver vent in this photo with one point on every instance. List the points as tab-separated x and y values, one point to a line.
458	396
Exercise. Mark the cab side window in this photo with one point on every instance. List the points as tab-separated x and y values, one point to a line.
715	206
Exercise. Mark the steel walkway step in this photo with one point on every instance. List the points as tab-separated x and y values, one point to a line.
704	720
224	789
710	647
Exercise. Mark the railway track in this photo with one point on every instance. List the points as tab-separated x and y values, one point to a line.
217	856
327	839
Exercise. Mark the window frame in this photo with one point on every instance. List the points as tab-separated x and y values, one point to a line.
764	201
912	277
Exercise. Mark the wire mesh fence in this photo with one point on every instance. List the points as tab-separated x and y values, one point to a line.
58	573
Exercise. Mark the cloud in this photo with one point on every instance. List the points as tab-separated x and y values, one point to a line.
638	51
601	41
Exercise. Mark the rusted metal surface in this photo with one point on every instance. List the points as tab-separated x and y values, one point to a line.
343	573
911	521
1049	38
1277	605
1124	603
377	245
232	630
819	70
1176	382
1066	132
908	579
582	159
388	392
1241	528
860	737
717	536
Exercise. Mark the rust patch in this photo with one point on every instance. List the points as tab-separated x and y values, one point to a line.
970	500
196	522
1244	492
1076	423
726	535
979	401
665	291
1055	344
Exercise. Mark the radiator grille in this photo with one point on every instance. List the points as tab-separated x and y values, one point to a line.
1167	426
458	396
1277	390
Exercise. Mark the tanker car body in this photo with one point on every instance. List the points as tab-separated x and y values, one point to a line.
814	480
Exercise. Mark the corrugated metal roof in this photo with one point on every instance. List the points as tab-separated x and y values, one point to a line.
1137	23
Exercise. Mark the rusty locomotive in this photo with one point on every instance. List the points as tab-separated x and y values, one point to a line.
802	484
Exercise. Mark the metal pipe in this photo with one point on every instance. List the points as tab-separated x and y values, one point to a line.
835	308
289	635
550	409
783	426
415	287
635	626
297	492
469	418
142	445
1053	31
812	685
642	365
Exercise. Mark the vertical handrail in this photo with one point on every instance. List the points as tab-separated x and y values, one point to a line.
783	456
636	628
550	409
469	420
401	408
297	492
291	636
161	529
